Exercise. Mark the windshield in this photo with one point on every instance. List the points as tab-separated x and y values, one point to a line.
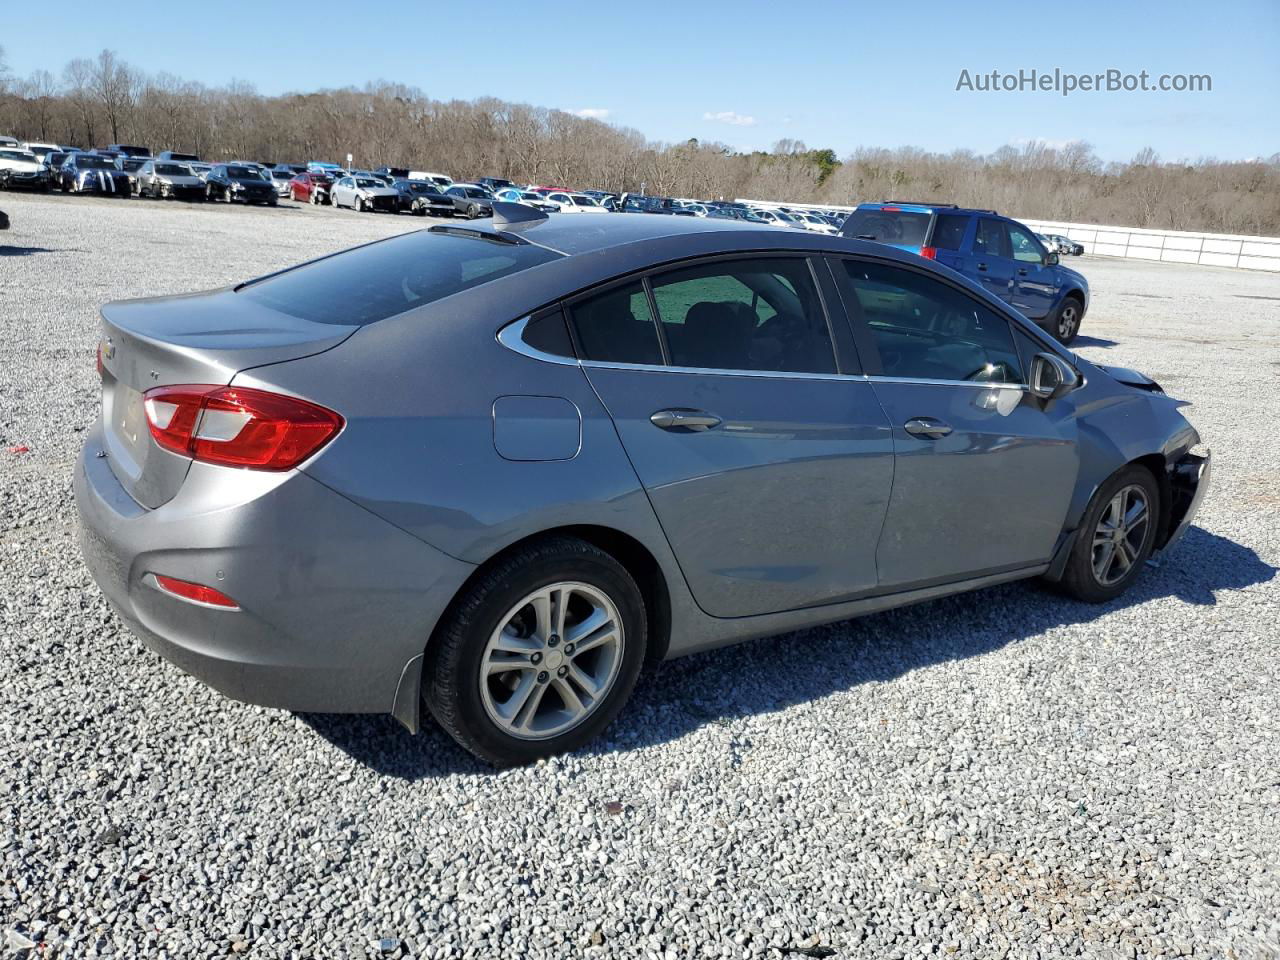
132	165
183	156
367	183
17	155
584	201
380	280
888	226
422	187
93	162
172	170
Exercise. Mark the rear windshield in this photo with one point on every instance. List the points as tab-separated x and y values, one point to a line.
383	279
888	226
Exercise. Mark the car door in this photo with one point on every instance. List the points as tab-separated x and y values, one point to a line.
768	464
565	201
983	471
991	263
1035	280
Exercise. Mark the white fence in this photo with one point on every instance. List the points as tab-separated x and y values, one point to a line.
1171	246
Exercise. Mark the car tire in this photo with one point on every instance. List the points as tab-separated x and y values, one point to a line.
473	212
1066	320
1110	550
467	697
360	205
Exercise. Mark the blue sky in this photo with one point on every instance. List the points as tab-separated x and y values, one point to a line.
837	74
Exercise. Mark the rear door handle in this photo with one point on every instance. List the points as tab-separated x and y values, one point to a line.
927	427
684	421
982	267
1022	272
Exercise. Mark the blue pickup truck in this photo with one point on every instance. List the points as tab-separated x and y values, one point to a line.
1000	254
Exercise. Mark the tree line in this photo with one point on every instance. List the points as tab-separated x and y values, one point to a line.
101	100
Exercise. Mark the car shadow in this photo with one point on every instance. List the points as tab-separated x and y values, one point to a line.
676	697
22	251
1084	341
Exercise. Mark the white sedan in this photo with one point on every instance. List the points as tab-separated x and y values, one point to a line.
575	203
776	218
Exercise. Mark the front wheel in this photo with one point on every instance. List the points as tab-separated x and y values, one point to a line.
539	654
1066	323
1115	538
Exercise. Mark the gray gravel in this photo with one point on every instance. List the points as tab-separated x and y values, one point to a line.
1007	773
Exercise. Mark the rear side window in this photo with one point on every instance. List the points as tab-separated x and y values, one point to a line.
948	232
991	238
383	279
925	329
617	326
754	314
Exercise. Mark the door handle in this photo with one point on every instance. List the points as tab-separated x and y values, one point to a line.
982	267
1022	272
683	420
927	427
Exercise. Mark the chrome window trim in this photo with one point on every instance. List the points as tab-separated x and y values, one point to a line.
512	337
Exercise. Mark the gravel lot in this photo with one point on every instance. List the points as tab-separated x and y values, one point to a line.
1006	773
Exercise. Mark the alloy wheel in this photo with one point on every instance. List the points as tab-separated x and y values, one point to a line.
1121	535
552	660
1068	318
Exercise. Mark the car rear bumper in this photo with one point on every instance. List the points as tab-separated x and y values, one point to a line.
333	602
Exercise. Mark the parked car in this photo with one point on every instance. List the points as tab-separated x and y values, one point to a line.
812	221
41	150
575	203
293	169
310	188
128	150
781	480
777	218
1066	245
422	197
470	200
92	173
233	181
177	157
529	199
997	252
603	197
441	180
364	194
544	189
495	184
281	179
393	173
167	180
24	169
636	203
131	166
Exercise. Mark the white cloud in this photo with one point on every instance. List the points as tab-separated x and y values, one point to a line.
729	117
591	113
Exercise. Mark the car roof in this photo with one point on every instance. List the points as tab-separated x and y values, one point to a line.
907	206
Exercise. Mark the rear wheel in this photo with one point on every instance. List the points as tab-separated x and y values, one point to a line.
539	654
1116	536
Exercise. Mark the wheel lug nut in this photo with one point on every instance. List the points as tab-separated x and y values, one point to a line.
536	659
553	640
568	649
543	676
562	672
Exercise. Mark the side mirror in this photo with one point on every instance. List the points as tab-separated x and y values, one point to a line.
1051	377
1050	259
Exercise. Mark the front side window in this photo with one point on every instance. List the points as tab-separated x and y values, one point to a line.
756	314
617	326
927	330
1024	246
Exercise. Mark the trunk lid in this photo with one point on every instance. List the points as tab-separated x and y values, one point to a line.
200	338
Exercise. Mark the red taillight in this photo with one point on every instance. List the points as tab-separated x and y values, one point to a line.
194	591
929	253
891	209
238	427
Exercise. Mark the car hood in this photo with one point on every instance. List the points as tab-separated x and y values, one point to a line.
1073	275
249	182
378	191
1131	378
180	180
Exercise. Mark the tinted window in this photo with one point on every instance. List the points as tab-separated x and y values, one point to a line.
948	232
1024	246
549	334
928	330
383	279
617	327
991	238
753	314
888	226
